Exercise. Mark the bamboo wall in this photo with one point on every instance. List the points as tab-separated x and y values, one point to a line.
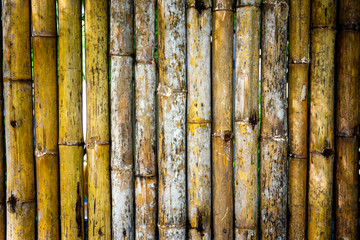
198	119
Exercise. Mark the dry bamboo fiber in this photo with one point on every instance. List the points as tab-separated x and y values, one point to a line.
97	135
70	121
122	177
44	38
299	61
21	193
2	146
321	131
246	118
145	124
199	118
222	143
273	173
347	121
171	94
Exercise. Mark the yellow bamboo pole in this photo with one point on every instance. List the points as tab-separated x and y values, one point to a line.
274	136
299	62
199	118
97	130
44	38
71	142
21	193
2	145
222	144
321	131
171	94
145	124
347	121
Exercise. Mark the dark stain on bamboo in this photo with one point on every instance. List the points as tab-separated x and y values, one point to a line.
12	202
78	211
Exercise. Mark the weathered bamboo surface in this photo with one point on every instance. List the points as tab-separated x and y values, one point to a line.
347	121
274	136
97	131
122	163
199	118
145	121
2	146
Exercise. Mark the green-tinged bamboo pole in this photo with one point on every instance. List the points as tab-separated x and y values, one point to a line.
21	192
199	118
347	121
44	38
274	136
97	129
222	143
122	162
171	94
71	142
321	133
246	118
2	146
145	124
299	62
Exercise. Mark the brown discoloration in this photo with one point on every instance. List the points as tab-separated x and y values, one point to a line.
2	147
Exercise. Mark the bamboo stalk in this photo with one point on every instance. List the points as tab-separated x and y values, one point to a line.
122	163
97	135
246	118
222	135
321	132
347	121
2	145
171	94
199	118
145	125
21	193
299	62
274	137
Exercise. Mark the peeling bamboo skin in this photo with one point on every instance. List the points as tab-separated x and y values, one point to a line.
21	193
222	144
2	147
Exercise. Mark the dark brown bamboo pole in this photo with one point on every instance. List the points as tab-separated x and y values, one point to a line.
171	94
2	145
347	121
145	124
246	118
21	192
321	131
274	136
222	135
97	129
122	162
299	62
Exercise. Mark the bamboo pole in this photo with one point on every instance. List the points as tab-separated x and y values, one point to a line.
2	145
122	163
222	144
347	121
321	132
71	142
246	118
21	193
171	94
145	124
97	135
44	38
299	62
274	136
199	118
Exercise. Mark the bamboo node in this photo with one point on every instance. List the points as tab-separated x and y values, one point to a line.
39	153
166	91
227	135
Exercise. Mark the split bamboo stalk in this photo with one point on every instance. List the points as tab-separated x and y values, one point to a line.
299	62
145	120
274	136
247	118
222	135
44	38
321	133
171	94
2	146
199	118
21	192
122	163
347	122
97	135
71	142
